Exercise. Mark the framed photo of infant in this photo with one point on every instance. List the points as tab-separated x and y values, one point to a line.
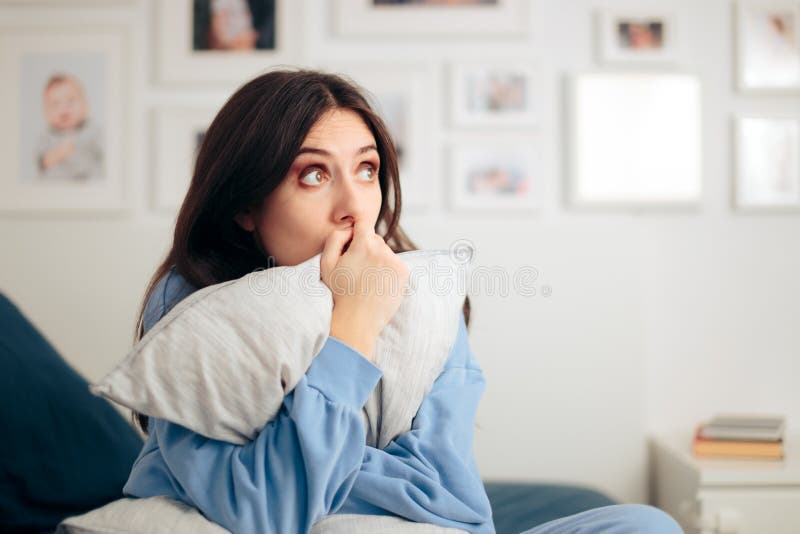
62	97
497	94
223	41
493	177
768	46
638	36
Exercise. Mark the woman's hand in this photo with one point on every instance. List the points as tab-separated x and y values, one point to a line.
367	282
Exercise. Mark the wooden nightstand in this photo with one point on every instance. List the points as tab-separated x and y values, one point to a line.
710	496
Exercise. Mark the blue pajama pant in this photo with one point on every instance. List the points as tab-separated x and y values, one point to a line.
616	519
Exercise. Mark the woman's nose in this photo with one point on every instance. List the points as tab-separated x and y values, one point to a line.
351	201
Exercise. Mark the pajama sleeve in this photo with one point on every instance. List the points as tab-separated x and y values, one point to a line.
429	473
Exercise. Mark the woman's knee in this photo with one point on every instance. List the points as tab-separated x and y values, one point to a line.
614	519
644	518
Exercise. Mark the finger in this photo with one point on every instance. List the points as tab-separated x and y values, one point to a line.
363	230
332	250
382	245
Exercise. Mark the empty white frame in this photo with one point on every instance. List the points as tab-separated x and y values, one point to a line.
635	140
178	62
493	94
177	134
767	163
401	95
57	156
768	45
638	35
372	18
493	176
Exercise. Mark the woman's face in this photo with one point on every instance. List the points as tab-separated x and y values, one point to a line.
332	182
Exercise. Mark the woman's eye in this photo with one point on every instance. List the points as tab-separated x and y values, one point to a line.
368	173
315	177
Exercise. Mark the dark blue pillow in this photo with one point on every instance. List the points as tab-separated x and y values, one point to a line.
63	451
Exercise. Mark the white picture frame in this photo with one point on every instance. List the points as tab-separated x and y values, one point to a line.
178	62
57	156
638	36
495	94
363	18
495	176
767	163
768	46
176	137
617	158
400	94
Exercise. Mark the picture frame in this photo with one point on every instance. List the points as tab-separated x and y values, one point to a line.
176	136
494	94
638	36
417	18
617	158
494	176
187	51
400	94
66	82
768	46
767	163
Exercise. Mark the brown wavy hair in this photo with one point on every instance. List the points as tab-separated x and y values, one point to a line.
245	154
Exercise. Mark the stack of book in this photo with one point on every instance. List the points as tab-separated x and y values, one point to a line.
740	436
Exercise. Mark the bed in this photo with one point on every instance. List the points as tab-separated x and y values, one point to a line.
66	452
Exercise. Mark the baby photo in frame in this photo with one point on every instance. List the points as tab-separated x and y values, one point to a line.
223	41
233	25
496	94
63	100
63	96
768	46
637	36
494	176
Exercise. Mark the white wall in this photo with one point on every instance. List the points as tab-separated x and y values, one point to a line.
656	320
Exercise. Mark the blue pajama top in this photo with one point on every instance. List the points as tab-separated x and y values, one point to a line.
311	459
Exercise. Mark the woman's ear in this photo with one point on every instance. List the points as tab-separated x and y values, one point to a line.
245	220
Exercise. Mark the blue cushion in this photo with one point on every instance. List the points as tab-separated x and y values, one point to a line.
63	451
517	507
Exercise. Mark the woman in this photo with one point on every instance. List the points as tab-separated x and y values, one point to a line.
296	163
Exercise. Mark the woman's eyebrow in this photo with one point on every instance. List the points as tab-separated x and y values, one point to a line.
323	152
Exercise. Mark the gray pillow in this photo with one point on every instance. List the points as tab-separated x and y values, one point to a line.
222	360
155	515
